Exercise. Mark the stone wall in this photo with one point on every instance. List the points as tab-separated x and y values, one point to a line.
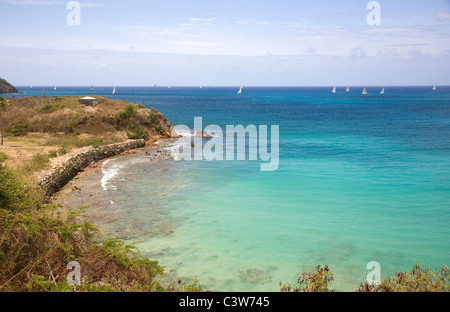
60	176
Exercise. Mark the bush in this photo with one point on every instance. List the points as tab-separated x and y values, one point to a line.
315	281
18	130
128	113
418	280
38	240
152	117
14	193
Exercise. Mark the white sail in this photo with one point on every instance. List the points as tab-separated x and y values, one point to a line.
348	89
364	91
434	88
334	90
240	90
382	91
114	90
54	88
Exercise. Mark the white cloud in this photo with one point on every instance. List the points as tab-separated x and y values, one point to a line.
443	16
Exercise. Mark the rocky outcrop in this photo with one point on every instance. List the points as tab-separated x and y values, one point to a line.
203	134
60	176
6	87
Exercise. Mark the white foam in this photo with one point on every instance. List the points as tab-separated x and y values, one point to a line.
110	170
109	173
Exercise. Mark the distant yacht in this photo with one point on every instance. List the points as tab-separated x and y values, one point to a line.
54	89
334	90
364	91
348	89
31	87
434	88
114	90
240	90
92	87
382	91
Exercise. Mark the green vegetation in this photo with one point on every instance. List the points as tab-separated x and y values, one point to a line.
4	106
38	239
418	280
315	281
3	157
64	119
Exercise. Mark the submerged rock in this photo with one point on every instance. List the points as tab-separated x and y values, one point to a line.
253	275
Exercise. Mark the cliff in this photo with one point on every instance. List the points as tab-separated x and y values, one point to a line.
6	87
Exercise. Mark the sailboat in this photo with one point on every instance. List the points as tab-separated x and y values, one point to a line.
364	91
92	87
54	89
240	90
334	90
348	89
434	88
382	91
114	90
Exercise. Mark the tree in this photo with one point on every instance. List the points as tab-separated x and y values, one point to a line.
4	106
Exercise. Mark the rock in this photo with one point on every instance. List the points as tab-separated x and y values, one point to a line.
68	170
254	275
203	135
174	134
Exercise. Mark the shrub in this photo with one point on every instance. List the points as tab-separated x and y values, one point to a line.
38	240
14	193
18	129
315	281
152	117
418	280
128	113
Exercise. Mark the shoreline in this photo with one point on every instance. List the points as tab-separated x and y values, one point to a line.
91	196
60	175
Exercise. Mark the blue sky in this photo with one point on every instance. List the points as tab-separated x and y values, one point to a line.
227	42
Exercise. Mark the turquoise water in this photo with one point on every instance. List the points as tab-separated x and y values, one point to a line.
361	178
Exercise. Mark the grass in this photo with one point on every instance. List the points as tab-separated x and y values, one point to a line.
110	120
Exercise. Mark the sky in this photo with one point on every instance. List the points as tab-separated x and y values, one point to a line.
225	43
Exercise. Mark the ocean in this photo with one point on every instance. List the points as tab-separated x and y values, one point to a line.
361	178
